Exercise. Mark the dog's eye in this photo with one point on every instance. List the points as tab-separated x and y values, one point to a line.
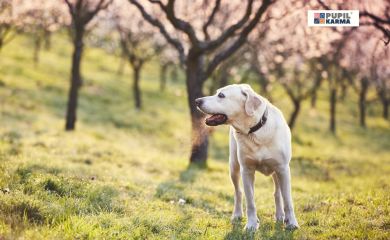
221	95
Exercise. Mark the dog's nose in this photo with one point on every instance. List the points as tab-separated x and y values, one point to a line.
198	102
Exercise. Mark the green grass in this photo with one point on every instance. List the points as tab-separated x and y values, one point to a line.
122	173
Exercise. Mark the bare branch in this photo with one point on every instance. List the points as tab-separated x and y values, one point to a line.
386	33
100	6
162	6
377	21
374	17
231	30
70	6
323	5
174	42
180	24
289	91
211	18
77	8
240	40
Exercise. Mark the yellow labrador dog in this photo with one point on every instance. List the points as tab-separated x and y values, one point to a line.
260	139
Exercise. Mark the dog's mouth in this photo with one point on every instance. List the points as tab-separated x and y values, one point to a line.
216	119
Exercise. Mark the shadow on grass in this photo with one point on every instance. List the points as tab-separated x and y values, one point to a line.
183	188
189	175
175	189
311	168
266	231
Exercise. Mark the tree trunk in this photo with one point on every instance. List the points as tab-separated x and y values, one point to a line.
219	79
37	49
163	76
224	78
344	90
122	64
385	104
313	99
362	101
264	85
200	133
136	88
75	83
213	83
174	73
47	38
333	101
294	115
266	89
314	91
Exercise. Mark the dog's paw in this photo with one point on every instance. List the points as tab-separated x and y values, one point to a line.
291	224
236	218
279	218
252	225
292	227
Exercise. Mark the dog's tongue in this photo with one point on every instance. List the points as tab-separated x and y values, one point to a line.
216	119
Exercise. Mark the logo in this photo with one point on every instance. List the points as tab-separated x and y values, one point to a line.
333	18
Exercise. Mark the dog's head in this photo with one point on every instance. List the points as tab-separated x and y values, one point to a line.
230	103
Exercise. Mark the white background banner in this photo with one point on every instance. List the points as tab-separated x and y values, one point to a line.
333	18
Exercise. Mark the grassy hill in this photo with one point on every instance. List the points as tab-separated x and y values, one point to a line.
121	174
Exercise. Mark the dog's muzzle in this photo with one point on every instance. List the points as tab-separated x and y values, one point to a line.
215	119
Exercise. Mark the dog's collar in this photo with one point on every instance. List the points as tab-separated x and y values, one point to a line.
261	123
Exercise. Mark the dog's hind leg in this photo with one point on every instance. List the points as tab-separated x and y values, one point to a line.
235	176
285	187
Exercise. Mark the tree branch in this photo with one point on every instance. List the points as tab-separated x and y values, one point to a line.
179	24
239	42
323	5
386	32
100	6
211	18
378	22
211	45
162	6
290	92
174	42
71	8
374	17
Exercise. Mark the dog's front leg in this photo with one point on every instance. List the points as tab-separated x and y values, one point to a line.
279	213
235	176
248	178
285	185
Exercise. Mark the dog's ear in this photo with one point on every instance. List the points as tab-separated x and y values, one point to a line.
252	101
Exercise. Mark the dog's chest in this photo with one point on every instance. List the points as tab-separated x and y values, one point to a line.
260	157
254	151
